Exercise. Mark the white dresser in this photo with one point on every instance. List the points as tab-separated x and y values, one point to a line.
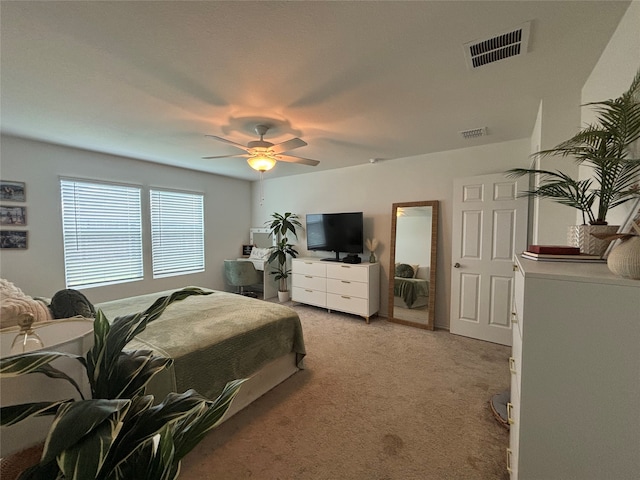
345	287
575	373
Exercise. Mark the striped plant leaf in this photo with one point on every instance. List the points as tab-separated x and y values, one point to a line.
12	414
102	359
38	362
191	433
134	370
75	420
25	363
110	438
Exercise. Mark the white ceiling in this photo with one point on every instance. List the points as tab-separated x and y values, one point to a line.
356	80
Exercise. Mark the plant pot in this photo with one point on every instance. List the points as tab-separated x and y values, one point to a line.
283	296
580	236
624	259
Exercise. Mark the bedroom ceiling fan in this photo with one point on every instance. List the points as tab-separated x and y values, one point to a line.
262	155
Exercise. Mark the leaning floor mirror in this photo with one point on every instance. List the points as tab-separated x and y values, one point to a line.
412	271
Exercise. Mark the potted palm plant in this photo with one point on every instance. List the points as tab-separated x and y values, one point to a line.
118	433
279	226
606	147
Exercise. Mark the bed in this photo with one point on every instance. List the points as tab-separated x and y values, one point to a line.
411	286
217	338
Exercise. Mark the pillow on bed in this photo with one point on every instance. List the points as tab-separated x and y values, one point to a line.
69	303
14	302
404	270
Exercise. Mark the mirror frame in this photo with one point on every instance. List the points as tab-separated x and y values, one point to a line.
430	325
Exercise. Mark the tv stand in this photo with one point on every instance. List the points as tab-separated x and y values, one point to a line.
350	288
330	259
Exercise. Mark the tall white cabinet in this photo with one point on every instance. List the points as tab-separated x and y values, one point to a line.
344	287
575	383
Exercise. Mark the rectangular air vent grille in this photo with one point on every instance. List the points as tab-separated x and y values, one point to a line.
474	132
499	47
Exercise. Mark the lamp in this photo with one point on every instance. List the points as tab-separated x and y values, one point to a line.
27	340
261	163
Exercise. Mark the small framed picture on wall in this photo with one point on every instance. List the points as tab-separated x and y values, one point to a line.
12	191
15	239
16	216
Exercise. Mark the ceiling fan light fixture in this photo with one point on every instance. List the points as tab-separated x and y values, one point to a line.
261	163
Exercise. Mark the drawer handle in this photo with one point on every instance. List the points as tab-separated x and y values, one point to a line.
310	291
509	466
308	263
345	281
347	297
308	276
509	412
512	365
514	317
345	266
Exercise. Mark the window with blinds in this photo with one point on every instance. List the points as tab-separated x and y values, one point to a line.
102	229
177	233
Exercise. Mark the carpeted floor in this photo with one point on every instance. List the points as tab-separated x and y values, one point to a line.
377	402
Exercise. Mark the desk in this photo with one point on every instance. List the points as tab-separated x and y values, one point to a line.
269	287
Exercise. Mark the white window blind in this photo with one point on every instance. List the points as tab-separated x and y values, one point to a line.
102	231
177	233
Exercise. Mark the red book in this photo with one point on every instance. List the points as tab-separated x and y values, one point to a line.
554	249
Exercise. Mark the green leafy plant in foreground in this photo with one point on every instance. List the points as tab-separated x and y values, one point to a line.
119	433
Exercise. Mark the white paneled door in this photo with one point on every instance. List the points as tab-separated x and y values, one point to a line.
489	227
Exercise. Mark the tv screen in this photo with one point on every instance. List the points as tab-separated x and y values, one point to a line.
335	232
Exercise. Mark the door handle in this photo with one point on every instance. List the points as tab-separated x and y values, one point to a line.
456	265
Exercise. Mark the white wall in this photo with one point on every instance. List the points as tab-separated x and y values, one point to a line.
373	188
612	76
39	270
411	232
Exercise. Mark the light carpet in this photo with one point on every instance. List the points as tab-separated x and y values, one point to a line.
377	402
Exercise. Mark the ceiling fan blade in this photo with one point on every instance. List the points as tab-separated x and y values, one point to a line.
239	155
220	139
288	145
293	159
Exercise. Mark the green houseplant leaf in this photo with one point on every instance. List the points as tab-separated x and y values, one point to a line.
278	228
124	436
603	146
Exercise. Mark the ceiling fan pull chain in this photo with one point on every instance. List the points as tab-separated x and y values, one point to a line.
261	188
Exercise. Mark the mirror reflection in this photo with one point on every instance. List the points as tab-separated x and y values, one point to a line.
412	272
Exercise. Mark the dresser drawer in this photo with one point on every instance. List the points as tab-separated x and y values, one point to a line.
346	303
311	297
518	302
353	273
310	282
513	412
347	287
515	361
315	269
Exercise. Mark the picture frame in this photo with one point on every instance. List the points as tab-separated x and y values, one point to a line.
14	239
15	216
11	191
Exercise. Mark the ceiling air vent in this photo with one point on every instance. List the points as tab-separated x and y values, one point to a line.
509	44
474	132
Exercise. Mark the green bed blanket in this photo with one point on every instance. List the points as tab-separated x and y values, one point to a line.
409	289
215	338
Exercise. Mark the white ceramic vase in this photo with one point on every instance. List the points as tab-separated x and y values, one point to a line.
624	259
580	236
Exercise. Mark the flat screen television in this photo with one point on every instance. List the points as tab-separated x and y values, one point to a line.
335	232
